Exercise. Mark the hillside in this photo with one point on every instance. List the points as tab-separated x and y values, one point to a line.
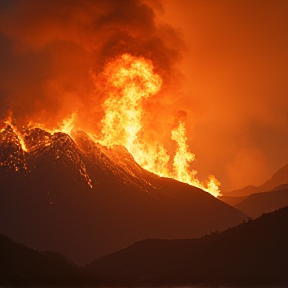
280	177
233	201
85	200
20	265
257	204
251	254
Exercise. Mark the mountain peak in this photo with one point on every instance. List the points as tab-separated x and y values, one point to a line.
86	200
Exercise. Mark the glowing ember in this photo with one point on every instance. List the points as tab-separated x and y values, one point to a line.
130	81
66	126
21	140
16	160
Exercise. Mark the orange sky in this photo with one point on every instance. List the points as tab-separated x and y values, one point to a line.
236	85
224	63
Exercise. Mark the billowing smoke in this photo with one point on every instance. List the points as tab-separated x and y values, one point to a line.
234	96
53	51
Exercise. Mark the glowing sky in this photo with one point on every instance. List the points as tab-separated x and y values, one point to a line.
236	85
224	65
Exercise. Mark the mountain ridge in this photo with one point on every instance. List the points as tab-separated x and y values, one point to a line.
85	200
251	254
264	202
280	177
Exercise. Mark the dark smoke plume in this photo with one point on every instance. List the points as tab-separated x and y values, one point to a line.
52	52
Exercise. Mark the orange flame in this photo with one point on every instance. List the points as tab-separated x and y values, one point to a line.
130	81
8	121
66	126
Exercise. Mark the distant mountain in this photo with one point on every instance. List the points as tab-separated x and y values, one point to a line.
253	254
21	266
233	201
243	192
257	204
278	178
85	200
281	187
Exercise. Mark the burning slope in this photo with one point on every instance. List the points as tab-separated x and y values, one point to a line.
85	200
130	81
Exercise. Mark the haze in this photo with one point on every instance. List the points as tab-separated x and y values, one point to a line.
224	65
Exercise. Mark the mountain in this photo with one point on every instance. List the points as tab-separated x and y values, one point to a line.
233	201
278	178
259	203
281	187
85	200
253	254
20	265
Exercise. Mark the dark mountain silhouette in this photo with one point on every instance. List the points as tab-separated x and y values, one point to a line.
86	200
278	178
243	192
257	204
233	201
20	265
281	187
252	254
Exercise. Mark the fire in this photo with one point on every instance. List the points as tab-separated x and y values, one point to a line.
131	81
183	157
10	132
66	126
21	140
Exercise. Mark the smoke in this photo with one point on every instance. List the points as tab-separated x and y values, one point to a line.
53	51
236	86
234	100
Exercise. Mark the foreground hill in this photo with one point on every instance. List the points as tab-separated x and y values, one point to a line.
280	177
257	204
20	265
85	200
252	254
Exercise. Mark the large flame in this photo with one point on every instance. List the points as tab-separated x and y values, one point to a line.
130	81
8	121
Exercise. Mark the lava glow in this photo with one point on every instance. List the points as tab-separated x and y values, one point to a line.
130	81
21	140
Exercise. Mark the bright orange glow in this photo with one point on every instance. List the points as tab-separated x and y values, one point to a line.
21	140
183	157
130	81
66	126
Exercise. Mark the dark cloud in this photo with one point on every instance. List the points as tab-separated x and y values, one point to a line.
51	50
234	97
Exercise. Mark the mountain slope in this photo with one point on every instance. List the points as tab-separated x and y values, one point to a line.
259	203
280	177
233	201
253	253
20	265
86	200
